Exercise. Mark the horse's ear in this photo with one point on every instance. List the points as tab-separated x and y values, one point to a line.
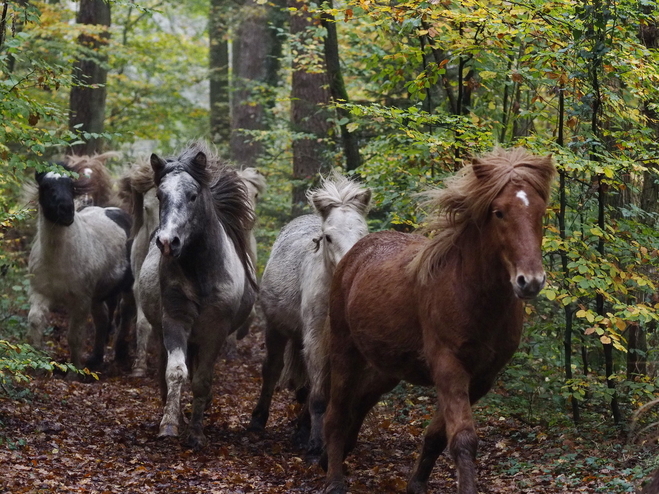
158	165
364	200
480	169
200	160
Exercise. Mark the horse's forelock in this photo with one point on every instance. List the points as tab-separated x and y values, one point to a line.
336	191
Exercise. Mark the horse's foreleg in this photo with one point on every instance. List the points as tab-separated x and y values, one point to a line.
127	311
76	334
142	335
37	319
434	442
275	345
202	379
176	372
102	323
454	401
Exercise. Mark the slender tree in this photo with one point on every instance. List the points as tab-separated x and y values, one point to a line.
218	38
309	114
87	98
338	91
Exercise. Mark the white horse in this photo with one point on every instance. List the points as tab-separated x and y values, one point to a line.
295	293
78	261
197	282
140	186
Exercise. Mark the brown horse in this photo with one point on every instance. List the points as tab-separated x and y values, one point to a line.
445	311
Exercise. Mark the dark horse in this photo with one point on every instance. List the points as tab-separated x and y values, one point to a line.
197	282
445	311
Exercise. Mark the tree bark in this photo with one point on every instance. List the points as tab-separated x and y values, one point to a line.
309	115
218	40
256	50
87	98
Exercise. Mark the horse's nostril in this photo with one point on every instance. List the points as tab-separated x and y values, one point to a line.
521	281
176	242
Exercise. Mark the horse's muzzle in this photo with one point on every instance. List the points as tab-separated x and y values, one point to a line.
169	247
527	287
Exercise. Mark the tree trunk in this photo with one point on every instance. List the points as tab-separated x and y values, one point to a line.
218	40
309	115
338	91
256	50
87	99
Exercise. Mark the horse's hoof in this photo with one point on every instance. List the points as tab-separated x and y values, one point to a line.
168	430
196	441
323	461
338	487
301	438
255	426
416	487
138	372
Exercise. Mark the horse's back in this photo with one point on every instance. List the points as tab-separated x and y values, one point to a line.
283	277
88	258
374	304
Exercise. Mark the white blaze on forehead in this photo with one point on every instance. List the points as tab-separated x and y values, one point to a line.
524	198
53	175
87	172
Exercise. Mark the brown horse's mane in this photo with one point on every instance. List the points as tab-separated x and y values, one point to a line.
229	194
132	187
468	196
99	183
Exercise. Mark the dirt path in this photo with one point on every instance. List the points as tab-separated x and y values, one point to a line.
101	438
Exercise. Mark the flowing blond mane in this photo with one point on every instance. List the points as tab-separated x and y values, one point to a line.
468	196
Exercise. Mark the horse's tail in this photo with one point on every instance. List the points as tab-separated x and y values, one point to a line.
294	376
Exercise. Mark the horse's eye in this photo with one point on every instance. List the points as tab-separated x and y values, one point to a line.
193	197
498	214
328	238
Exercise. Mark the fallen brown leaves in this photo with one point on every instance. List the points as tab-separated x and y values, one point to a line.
100	437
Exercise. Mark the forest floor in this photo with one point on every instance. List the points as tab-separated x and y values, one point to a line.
100	437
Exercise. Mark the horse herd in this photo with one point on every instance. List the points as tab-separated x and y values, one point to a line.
348	314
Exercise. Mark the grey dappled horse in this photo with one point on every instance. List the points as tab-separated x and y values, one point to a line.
145	209
78	261
295	293
197	282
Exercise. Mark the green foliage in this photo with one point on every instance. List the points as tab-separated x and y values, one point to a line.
18	362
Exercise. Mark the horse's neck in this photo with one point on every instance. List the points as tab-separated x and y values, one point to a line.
206	249
52	235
